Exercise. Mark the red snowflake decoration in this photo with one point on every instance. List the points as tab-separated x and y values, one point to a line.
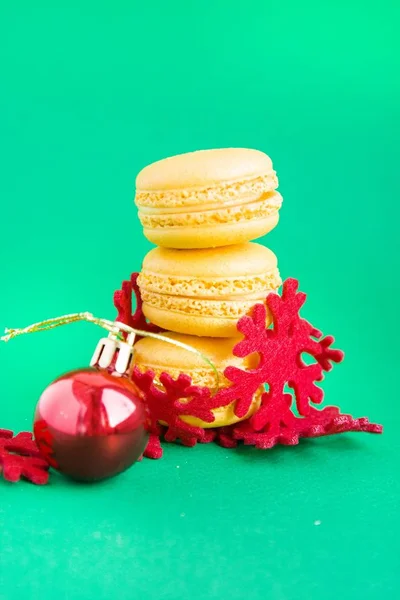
20	458
44	439
123	304
281	364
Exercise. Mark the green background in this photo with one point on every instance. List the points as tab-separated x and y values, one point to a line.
90	93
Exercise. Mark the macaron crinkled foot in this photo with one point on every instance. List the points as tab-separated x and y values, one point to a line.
208	198
160	357
205	292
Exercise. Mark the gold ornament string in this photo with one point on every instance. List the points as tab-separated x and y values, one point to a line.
113	327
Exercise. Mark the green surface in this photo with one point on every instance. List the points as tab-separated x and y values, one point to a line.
91	92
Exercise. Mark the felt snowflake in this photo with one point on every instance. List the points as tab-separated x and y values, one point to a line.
177	399
282	349
20	458
123	304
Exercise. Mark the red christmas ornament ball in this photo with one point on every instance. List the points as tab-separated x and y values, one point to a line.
90	424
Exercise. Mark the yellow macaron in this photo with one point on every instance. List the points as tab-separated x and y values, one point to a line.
159	357
208	198
205	292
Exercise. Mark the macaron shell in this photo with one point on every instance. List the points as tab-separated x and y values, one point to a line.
217	327
203	167
240	260
211	236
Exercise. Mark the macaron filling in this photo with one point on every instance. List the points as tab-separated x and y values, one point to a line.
209	287
227	309
229	192
268	205
227	299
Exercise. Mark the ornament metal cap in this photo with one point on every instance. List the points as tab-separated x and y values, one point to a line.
113	349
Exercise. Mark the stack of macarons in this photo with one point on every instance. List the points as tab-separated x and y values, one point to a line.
202	209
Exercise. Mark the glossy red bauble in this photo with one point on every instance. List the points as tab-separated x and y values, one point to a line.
90	424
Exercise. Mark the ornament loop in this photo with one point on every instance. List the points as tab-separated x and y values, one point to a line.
105	350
